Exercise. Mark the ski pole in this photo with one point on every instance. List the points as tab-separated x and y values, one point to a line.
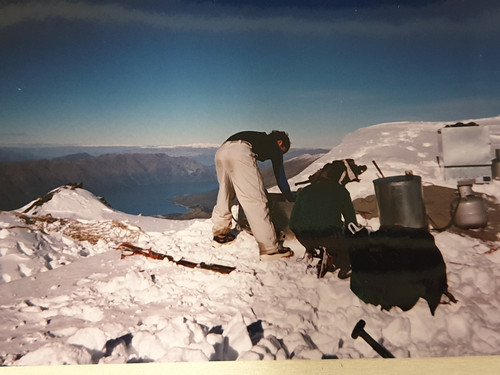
378	169
359	330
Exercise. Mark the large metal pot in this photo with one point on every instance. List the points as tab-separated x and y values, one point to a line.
400	201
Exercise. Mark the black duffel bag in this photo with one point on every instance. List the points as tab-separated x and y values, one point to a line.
395	266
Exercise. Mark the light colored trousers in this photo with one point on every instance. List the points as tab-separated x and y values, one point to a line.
239	176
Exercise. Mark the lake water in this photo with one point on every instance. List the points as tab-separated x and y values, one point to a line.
153	199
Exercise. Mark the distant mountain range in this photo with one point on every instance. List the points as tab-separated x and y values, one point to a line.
27	180
24	181
201	153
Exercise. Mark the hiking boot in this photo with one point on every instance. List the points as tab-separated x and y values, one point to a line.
223	239
282	252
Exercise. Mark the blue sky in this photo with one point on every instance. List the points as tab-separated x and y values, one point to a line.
181	72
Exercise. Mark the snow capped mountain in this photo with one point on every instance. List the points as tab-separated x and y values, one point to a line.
69	294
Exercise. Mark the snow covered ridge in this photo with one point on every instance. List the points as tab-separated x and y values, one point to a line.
68	297
397	147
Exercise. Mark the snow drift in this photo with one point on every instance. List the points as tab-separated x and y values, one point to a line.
68	297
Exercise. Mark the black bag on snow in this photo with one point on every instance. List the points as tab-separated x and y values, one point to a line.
395	266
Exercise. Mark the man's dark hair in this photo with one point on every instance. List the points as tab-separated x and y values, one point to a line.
283	136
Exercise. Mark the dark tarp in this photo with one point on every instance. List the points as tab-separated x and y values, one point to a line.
395	266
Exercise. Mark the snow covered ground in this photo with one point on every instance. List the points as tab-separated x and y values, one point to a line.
67	297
